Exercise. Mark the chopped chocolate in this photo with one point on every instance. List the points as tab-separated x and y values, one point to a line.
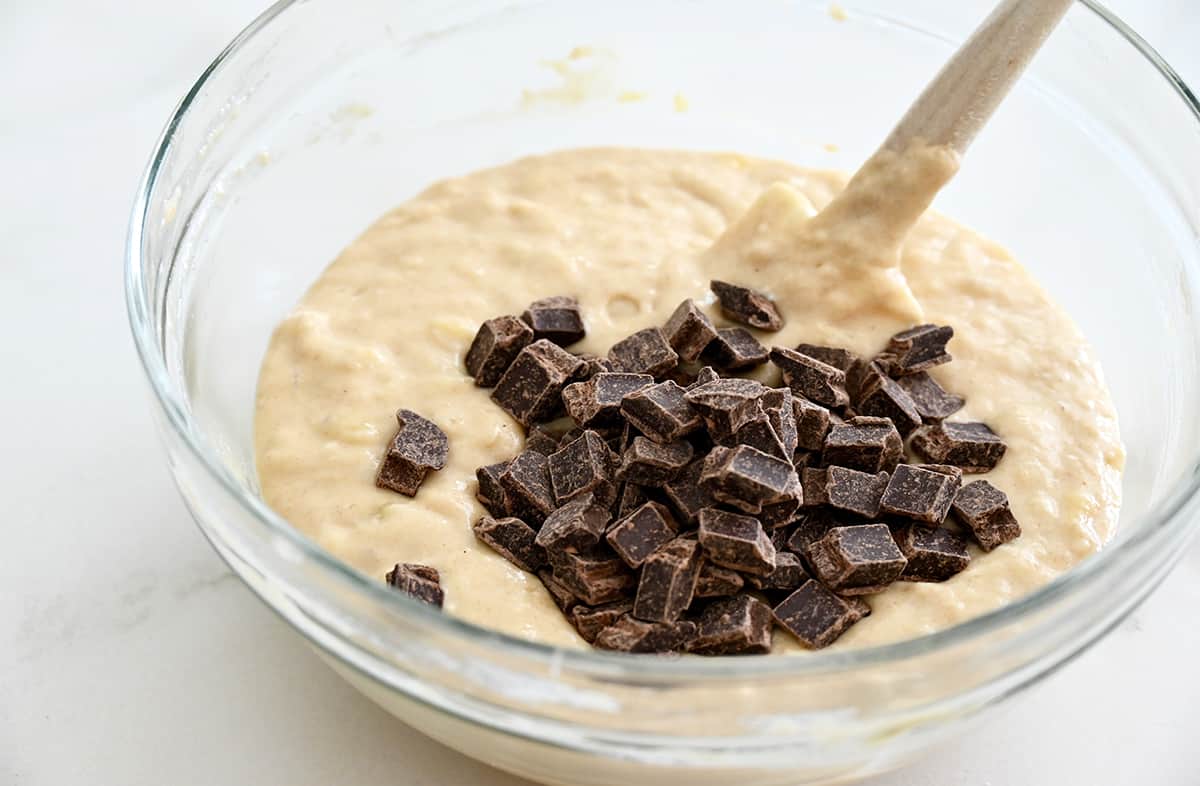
560	593
919	494
740	625
490	493
917	349
864	443
837	357
746	478
631	498
789	574
590	620
661	412
644	352
811	527
630	634
686	495
531	389
859	605
512	539
418	447
972	446
982	509
648	463
812	423
735	541
931	400
541	441
881	396
747	306
592	365
758	433
727	404
593	577
932	554
418	581
717	582
704	376
856	560
813	483
815	616
555	319
689	330
783	510
643	532
944	469
735	349
857	492
779	404
584	465
495	347
526	482
575	526
668	581
808	377
597	402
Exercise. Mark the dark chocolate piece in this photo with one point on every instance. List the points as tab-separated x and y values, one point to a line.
919	494
661	412
531	389
583	466
668	581
747	306
815	616
643	532
917	349
597	402
808	377
735	541
686	495
758	433
735	349
740	625
526	482
717	582
983	510
495	347
811	527
419	581
727	404
541	441
703	377
555	319
644	352
782	511
864	443
859	605
418	447
592	365
560	593
972	446
593	577
746	478
932	554
857	492
590	620
813	483
578	525
689	330
789	574
837	357
779	405
812	423
490	493
856	560
879	395
631	498
630	634
931	400
648	463
512	539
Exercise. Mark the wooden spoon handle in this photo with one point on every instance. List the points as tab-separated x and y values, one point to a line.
960	99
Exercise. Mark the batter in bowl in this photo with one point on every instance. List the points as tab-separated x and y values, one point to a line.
632	233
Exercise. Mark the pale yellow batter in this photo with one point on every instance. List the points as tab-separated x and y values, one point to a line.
632	233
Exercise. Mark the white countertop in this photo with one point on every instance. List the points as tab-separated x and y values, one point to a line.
130	655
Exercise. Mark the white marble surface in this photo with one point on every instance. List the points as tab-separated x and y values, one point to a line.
128	653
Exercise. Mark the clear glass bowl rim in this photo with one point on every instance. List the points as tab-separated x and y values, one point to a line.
1163	525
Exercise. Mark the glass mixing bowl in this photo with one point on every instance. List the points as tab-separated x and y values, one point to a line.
323	114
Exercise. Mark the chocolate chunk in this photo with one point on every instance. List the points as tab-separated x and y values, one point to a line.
593	577
584	466
495	347
689	330
648	463
419	581
735	349
758	433
630	634
859	605
864	443
813	483
560	593
972	446
597	402
727	404
880	396
747	306
811	527
746	478
815	616
931	400
983	509
644	352
718	582
418	447
944	469
641	533
856	560
592	365
735	541
789	574
818	382
531	389
512	539
917	349
812	423
837	357
590	620
661	412
577	525
526	482
857	492
541	441
631	498
782	511
668	581
739	625
490	493
932	554
919	494
686	495
704	376
555	319
779	405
